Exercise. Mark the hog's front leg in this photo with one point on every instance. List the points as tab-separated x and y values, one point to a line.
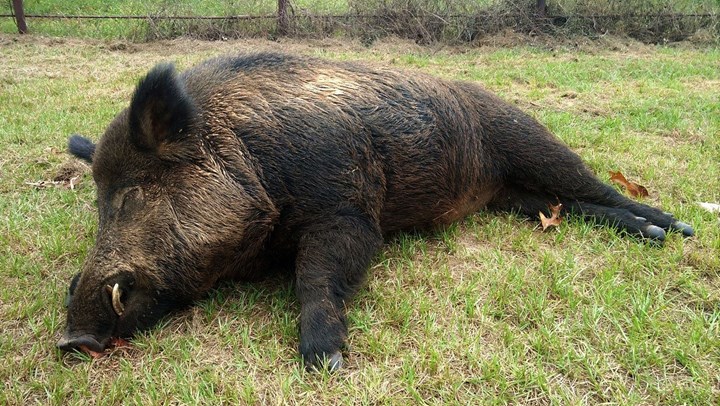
332	261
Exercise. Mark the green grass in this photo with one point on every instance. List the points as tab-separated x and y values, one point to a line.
488	311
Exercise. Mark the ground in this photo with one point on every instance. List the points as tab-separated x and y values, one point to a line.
488	311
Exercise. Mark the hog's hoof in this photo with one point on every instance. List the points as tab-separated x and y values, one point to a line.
654	233
330	364
335	362
685	228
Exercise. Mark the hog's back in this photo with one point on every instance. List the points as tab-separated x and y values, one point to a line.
405	147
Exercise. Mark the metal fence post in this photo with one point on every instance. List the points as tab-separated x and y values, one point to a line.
19	16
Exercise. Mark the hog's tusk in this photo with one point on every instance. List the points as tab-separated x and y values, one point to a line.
116	303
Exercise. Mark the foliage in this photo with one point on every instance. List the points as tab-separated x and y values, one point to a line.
424	21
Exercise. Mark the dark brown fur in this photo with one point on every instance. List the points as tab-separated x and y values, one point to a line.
243	162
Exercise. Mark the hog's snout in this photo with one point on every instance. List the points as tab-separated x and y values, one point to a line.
74	343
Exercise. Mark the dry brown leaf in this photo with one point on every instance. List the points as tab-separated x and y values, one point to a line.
554	220
633	188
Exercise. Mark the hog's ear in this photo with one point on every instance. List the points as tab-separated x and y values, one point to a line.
161	111
81	147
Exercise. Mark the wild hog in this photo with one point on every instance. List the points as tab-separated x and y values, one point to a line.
250	162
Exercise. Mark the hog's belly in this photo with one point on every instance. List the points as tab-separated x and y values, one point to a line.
414	209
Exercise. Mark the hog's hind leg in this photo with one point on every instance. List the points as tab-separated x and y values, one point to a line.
633	218
559	175
332	261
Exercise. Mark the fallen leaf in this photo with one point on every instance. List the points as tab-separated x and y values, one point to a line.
633	188
711	207
554	220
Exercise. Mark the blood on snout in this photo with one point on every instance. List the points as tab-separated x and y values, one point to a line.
114	343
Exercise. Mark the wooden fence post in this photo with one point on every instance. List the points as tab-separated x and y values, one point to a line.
541	8
282	17
19	16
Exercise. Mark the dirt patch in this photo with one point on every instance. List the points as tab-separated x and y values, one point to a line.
68	175
70	170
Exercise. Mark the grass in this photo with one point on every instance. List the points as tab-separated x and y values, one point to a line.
488	311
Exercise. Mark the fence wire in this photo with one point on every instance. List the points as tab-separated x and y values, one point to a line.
424	21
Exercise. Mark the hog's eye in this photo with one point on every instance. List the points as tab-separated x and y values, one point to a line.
132	199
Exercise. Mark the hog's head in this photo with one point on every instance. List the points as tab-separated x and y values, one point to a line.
179	208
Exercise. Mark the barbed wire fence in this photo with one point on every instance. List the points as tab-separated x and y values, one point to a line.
424	21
